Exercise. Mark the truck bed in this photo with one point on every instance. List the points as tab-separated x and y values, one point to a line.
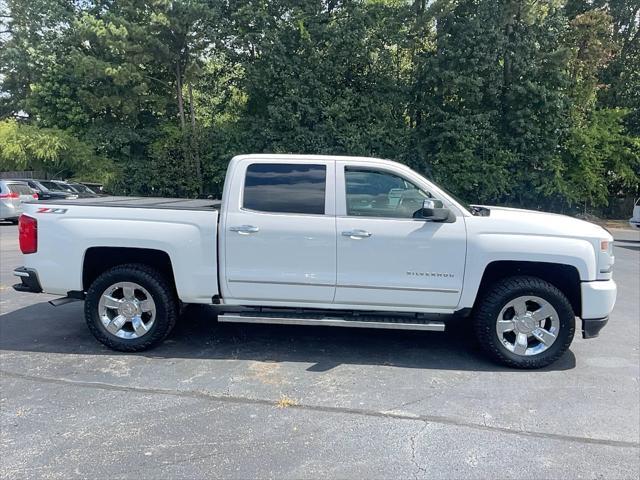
141	202
184	230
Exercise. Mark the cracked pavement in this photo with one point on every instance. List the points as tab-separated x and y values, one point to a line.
376	404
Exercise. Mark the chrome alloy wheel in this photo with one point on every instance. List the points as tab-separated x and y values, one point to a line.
528	325
127	310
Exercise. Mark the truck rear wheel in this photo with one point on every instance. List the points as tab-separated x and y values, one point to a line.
131	308
524	322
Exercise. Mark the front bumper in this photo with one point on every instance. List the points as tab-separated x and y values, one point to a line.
591	326
598	299
29	280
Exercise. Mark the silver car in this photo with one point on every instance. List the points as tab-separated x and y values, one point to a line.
635	220
12	194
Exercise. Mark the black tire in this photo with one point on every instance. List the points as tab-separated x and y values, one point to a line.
487	311
159	288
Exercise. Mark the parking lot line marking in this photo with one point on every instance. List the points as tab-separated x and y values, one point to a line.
435	419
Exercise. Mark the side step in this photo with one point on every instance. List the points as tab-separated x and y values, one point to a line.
396	323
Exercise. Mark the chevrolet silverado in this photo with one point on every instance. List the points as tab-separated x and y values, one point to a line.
324	240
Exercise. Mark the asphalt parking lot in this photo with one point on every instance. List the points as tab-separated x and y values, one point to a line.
259	401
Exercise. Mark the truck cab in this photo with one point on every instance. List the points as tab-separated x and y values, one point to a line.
343	233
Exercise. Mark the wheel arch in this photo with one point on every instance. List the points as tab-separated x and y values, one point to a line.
564	277
100	259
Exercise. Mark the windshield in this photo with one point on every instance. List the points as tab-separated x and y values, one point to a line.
52	186
82	188
66	188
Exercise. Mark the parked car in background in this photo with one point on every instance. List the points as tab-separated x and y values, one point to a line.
12	194
83	190
49	190
98	188
635	220
64	186
76	188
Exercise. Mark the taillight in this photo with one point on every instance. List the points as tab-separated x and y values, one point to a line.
10	195
35	195
28	234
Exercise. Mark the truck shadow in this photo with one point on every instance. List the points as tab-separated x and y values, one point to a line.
43	328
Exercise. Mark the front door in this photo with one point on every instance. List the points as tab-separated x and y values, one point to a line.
387	258
280	233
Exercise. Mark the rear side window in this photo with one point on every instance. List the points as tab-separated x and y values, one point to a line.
285	188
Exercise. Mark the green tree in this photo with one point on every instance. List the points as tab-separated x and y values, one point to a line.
526	102
30	33
327	79
25	147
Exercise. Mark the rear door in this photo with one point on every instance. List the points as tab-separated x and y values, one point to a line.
280	232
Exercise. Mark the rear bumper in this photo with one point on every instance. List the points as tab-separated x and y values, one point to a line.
29	280
9	212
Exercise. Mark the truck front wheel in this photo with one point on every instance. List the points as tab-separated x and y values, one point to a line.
131	308
524	322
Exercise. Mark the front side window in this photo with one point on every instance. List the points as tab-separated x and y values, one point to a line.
375	193
285	188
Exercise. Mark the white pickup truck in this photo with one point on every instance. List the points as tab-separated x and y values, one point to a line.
320	240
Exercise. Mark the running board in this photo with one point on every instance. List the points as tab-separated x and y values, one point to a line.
363	322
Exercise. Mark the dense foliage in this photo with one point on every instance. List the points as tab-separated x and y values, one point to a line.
525	102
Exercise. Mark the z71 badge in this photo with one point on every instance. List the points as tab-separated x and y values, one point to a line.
51	210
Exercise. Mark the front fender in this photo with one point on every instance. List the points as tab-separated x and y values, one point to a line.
486	248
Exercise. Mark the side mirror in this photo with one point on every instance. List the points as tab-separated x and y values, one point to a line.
433	211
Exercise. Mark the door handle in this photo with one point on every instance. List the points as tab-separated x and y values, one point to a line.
244	229
356	234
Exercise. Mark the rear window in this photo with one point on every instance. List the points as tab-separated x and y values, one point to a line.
285	188
20	189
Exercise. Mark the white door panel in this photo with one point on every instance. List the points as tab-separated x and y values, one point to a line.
402	262
289	257
272	256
